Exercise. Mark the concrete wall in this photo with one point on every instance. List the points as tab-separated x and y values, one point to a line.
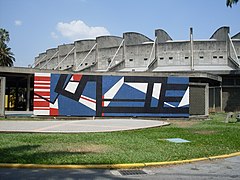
137	55
40	60
210	55
84	58
67	61
105	57
214	54
107	46
174	54
236	44
52	57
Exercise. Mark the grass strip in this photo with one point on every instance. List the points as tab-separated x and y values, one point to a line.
208	138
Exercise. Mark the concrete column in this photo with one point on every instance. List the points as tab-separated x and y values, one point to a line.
207	99
28	91
2	95
124	50
221	97
8	102
156	49
17	97
214	99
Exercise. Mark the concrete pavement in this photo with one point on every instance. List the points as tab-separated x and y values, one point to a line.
76	126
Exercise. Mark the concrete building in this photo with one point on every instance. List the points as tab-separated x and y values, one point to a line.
219	55
213	65
136	52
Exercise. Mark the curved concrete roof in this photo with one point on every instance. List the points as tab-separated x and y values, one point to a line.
108	41
221	34
236	36
162	36
134	38
84	45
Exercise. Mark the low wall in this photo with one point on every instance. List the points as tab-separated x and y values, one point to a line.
105	95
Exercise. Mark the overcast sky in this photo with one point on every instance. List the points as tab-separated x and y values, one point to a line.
37	25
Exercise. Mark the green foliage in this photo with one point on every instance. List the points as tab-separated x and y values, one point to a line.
231	2
208	138
6	56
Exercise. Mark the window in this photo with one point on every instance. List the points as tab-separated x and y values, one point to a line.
145	59
220	57
228	81
109	61
170	58
186	57
237	81
86	64
130	59
214	57
201	57
238	57
161	58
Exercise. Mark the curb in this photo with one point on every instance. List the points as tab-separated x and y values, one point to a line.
116	166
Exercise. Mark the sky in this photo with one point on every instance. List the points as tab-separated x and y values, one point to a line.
37	25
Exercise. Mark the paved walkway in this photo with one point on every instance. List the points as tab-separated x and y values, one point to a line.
75	126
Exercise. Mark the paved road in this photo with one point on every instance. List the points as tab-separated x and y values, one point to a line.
224	169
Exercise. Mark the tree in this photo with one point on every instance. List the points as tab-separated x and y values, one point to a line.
231	2
6	56
4	35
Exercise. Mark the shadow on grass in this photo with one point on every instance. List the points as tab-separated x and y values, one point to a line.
15	154
30	154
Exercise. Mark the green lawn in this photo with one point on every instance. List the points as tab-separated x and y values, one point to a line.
208	138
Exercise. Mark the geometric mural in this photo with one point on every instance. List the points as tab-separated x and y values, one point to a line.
103	95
